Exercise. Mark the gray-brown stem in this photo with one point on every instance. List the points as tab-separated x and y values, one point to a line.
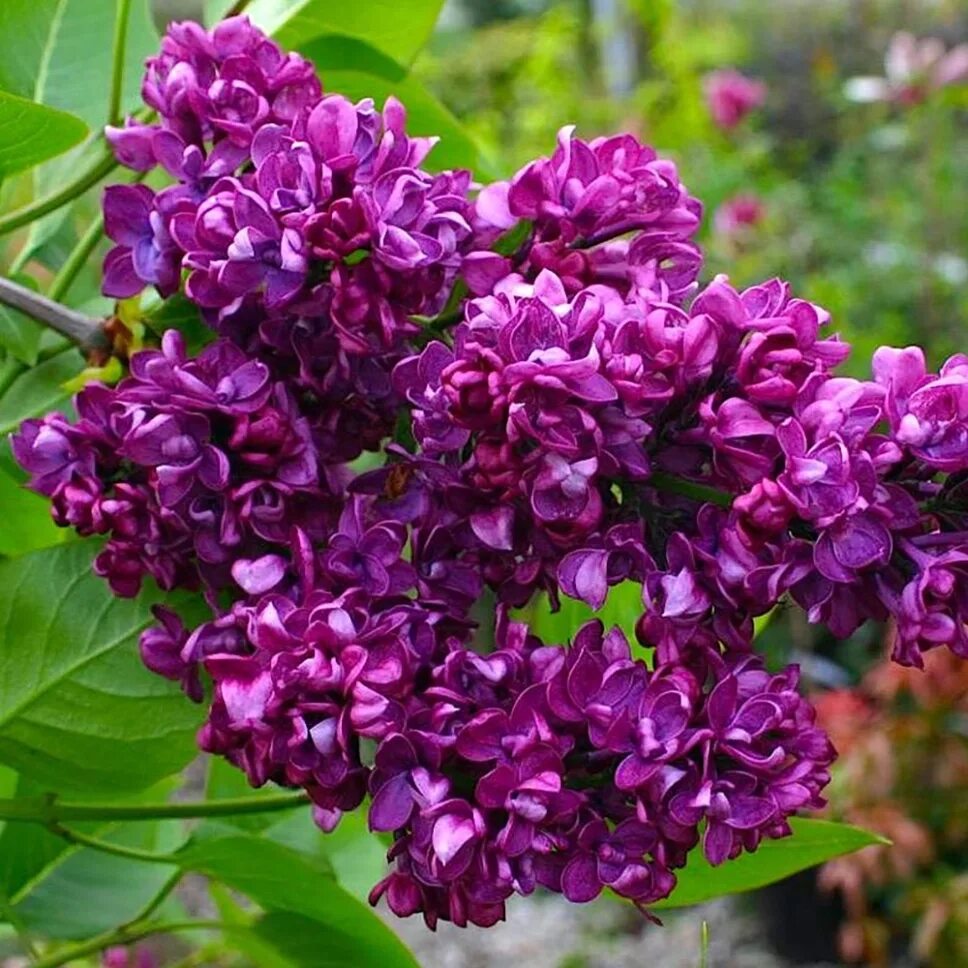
84	330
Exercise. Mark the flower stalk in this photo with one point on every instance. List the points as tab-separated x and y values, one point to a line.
50	811
123	936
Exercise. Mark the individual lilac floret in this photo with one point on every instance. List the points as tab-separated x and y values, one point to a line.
928	413
145	254
235	245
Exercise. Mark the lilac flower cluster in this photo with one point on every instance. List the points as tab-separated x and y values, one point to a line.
585	416
308	228
196	469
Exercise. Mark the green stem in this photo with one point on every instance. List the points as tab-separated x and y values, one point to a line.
10	369
103	165
50	811
671	484
12	917
117	67
76	259
124	936
106	847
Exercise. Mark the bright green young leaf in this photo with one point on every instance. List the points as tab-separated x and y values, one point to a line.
397	29
357	856
78	710
31	133
228	782
29	853
622	608
425	115
813	842
58	53
114	889
234	912
308	943
39	390
290	885
27	524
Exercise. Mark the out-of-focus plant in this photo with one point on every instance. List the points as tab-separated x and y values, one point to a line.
903	771
914	68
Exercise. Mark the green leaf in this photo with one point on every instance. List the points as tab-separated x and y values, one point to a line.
20	335
357	856
514	238
178	312
425	115
78	710
308	943
27	524
31	133
299	891
813	842
114	889
39	390
622	608
394	28
29	852
58	53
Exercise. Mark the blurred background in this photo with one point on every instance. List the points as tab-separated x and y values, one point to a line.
828	140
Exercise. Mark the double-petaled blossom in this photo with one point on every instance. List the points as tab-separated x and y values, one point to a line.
183	465
928	413
222	84
137	220
731	96
736	217
608	210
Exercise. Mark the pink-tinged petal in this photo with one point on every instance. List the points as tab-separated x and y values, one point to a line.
494	527
259	575
584	575
450	834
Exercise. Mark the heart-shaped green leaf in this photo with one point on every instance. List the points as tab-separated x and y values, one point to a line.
299	892
397	29
78	710
31	133
813	842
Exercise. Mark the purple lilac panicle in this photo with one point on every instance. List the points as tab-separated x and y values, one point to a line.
591	417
